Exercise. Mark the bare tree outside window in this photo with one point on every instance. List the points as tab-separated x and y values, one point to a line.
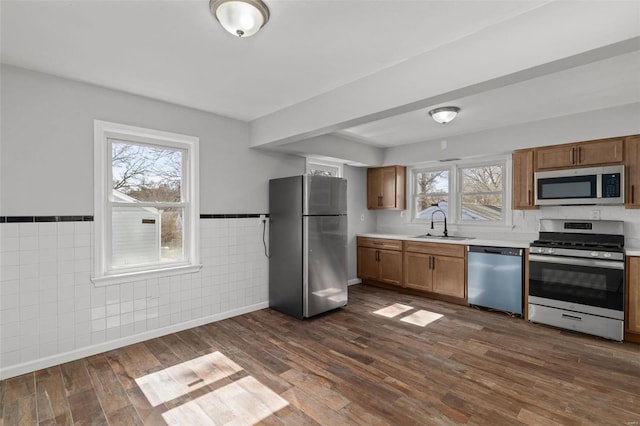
433	188
146	182
482	195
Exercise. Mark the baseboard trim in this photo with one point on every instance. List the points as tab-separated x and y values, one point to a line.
50	361
354	281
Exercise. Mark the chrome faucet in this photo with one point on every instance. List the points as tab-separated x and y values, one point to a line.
438	209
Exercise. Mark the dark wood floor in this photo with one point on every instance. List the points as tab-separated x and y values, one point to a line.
352	366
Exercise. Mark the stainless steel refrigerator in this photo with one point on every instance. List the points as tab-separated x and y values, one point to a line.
307	244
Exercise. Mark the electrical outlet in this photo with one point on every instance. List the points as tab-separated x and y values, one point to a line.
595	215
361	218
263	219
443	144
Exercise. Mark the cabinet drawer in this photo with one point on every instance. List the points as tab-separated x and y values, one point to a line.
380	243
438	249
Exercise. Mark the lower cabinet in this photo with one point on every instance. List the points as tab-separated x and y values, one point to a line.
436	268
380	260
632	317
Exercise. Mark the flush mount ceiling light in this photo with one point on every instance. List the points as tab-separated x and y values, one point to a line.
445	114
242	18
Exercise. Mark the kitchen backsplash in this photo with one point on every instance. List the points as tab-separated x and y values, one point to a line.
51	312
525	223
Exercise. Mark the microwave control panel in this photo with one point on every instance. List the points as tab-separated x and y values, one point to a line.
611	185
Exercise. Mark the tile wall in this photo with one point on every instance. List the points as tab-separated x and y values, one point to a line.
49	307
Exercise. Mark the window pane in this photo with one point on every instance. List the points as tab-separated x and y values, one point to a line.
319	172
146	173
432	181
425	205
146	235
482	179
482	207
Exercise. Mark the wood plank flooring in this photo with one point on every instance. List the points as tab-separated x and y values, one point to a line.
351	366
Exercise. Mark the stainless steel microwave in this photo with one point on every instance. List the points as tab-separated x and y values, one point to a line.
592	185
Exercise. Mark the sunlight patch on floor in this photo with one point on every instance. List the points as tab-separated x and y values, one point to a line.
393	310
175	381
243	402
421	318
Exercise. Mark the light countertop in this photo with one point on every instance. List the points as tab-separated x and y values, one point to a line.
466	242
629	251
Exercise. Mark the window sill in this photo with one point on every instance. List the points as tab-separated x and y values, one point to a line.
144	275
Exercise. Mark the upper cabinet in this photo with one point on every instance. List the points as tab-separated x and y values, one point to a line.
386	188
632	172
593	153
523	169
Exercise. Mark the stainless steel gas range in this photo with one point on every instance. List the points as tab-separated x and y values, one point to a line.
576	278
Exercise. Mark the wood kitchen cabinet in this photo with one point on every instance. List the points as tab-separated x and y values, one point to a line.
386	188
523	179
584	154
380	260
632	172
632	311
436	268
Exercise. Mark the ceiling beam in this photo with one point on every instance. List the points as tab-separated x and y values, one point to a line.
520	49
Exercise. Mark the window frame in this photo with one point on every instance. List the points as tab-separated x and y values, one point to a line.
454	216
104	132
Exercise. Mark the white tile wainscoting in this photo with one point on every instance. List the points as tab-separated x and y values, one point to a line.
50	312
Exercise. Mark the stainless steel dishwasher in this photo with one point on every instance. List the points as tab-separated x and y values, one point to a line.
495	278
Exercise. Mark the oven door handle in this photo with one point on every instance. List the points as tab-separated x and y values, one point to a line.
576	261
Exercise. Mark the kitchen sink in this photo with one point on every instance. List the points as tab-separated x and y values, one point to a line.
442	237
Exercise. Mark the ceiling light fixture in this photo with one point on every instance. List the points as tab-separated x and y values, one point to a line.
242	18
445	114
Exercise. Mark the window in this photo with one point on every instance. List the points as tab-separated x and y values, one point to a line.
432	189
481	193
466	192
145	202
318	167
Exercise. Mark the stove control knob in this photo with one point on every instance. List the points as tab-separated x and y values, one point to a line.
551	250
595	254
606	254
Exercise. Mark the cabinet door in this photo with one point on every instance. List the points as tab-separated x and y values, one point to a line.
632	172
448	276
633	295
523	190
606	151
374	188
390	266
367	263
388	187
418	271
556	157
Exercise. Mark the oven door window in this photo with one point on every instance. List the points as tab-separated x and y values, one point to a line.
587	285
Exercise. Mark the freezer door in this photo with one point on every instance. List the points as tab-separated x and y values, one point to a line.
325	195
325	263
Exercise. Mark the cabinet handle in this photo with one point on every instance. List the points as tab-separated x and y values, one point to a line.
579	155
633	194
573	156
377	255
528	197
379	200
434	263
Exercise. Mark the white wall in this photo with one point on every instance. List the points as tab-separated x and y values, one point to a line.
47	147
50	312
359	220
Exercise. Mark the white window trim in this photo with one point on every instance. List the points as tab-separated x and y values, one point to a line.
103	131
310	161
455	193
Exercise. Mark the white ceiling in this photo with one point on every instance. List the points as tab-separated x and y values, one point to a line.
175	51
